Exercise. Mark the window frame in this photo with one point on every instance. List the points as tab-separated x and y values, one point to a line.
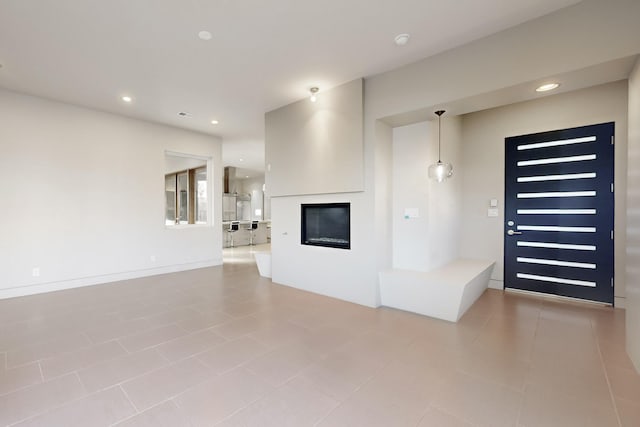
191	189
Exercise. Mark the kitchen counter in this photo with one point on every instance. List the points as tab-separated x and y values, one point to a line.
243	237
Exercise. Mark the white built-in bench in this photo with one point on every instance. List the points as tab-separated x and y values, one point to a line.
263	261
445	293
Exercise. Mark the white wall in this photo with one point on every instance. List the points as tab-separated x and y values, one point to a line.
483	136
179	163
339	273
430	240
253	186
633	221
316	148
83	197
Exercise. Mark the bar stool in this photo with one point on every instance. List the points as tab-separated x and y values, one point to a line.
252	228
233	227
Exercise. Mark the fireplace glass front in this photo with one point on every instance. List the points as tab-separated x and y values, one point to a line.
326	224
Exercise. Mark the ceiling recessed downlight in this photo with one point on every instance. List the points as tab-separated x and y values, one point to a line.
127	99
547	87
402	39
205	35
214	122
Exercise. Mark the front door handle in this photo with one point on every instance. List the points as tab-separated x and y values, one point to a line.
511	232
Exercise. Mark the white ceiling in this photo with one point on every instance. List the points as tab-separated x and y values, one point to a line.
263	54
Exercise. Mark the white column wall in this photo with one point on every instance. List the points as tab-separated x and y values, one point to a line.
633	221
431	239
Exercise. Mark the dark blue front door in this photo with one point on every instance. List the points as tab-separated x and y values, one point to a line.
559	212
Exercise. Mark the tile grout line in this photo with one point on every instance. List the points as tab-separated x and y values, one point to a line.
84	387
524	386
606	375
359	387
40	368
138	413
58	406
130	401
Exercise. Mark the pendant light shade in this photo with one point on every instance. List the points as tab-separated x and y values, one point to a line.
440	171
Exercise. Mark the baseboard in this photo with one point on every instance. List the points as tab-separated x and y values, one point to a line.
557	297
38	288
496	284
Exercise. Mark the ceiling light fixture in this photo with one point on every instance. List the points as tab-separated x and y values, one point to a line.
185	114
402	39
547	87
127	99
242	160
313	91
440	171
205	35
214	122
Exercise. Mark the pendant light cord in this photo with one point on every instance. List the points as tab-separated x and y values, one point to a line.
439	113
439	133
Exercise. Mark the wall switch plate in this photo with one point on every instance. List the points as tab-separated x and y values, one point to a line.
493	203
492	212
35	272
411	213
152	258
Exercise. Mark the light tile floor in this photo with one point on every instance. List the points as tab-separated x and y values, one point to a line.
223	346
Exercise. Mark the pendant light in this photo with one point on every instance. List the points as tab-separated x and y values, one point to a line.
440	171
313	92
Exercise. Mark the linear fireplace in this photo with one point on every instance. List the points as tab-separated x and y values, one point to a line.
326	224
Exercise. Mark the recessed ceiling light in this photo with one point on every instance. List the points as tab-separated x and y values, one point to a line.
242	160
246	176
547	87
205	35
127	99
185	114
402	39
214	122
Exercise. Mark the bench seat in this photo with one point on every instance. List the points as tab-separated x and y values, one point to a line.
446	292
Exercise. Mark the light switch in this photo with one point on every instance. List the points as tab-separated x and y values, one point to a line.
492	212
493	203
411	213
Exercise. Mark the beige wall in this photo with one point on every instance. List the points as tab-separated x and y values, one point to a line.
316	148
83	197
633	221
482	166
